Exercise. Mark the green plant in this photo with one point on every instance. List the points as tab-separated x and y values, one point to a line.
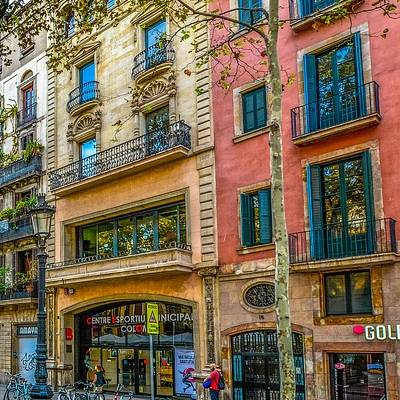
5	282
21	279
7	214
33	148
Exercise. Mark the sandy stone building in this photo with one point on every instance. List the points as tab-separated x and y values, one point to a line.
23	90
132	176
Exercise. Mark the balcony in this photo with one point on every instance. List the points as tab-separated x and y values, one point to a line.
151	149
337	245
15	229
158	57
20	170
347	111
14	295
26	116
83	97
173	258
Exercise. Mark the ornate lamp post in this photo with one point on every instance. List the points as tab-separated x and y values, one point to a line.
42	216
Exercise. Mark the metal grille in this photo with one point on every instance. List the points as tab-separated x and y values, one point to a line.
82	94
260	296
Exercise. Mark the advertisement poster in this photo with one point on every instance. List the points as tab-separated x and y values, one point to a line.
184	366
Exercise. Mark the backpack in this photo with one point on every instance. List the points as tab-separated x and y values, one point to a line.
221	383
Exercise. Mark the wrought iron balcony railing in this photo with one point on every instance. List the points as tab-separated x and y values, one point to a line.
15	229
153	56
13	293
354	239
300	9
141	147
20	169
83	260
26	115
83	94
337	109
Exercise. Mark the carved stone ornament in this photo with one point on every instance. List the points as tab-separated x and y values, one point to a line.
261	295
87	122
153	90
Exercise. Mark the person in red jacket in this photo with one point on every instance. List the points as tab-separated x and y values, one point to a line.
215	377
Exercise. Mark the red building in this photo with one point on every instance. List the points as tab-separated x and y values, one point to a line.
340	134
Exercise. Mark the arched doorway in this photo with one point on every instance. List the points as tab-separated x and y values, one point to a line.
255	365
114	336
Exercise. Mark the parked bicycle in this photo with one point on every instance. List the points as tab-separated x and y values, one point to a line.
18	388
67	392
88	393
120	394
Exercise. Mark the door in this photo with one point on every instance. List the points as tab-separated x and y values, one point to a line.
88	158
157	137
87	82
26	361
164	373
346	220
143	373
336	86
126	368
155	49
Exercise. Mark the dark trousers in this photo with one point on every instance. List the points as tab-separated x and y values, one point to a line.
214	394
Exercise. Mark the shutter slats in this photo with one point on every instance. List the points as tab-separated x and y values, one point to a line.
369	199
310	92
245	218
264	201
359	74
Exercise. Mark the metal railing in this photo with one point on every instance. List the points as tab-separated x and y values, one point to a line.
356	238
299	9
99	257
20	169
82	94
15	229
168	137
26	115
337	109
152	56
19	293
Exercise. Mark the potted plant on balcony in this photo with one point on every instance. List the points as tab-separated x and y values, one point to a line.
32	276
33	148
21	279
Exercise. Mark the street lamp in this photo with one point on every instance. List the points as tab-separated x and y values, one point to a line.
42	216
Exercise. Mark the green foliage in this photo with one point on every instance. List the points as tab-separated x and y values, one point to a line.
5	282
21	208
7	214
21	279
33	148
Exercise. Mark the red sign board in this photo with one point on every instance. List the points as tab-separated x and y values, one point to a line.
69	334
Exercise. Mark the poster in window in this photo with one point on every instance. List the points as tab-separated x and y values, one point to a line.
184	367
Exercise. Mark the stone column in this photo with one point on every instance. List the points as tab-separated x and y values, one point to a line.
97	129
172	97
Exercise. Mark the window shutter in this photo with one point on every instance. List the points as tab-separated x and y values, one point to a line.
310	92
260	106
249	116
244	15
315	211
245	219
305	7
264	201
369	199
359	74
257	15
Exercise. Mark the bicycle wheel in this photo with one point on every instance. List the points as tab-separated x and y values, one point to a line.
62	396
79	396
99	396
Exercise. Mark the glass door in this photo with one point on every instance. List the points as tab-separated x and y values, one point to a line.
127	368
110	364
164	373
87	156
86	82
157	130
155	51
143	365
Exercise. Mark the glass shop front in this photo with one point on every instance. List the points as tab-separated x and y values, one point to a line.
114	336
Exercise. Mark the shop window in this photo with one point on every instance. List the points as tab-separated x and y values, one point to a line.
254	109
334	86
246	14
358	376
348	293
256	219
156	229
341	208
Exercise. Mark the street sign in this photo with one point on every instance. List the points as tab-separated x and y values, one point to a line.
152	325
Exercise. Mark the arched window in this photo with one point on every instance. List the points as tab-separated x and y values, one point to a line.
70	25
26	75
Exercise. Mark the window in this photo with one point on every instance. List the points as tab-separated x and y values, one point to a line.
358	376
70	25
254	110
87	157
256	219
156	51
307	7
341	208
333	86
25	139
246	14
348	293
152	230
157	123
87	84
28	112
110	4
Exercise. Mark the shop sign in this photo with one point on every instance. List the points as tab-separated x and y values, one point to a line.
27	330
152	320
184	368
378	332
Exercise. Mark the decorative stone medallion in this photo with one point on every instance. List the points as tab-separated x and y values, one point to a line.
261	295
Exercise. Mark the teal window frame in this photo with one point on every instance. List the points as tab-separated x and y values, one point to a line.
256	224
181	230
249	17
254	109
349	305
308	7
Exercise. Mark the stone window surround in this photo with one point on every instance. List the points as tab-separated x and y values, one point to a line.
329	43
68	231
257	248
321	317
238	131
32	80
248	285
373	147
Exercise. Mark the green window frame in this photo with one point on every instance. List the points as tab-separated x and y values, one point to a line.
348	293
256	218
150	230
248	16
254	109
